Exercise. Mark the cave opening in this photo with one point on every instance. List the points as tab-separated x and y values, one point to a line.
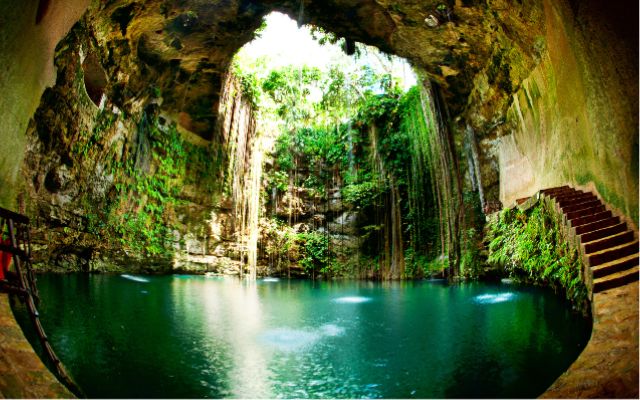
332	129
95	79
197	165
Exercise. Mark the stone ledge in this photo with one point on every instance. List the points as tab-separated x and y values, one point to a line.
608	366
22	373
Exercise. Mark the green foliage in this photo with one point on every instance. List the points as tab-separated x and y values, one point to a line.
419	265
323	36
140	212
381	110
471	238
86	142
278	180
249	84
288	88
355	129
282	246
317	256
531	245
306	96
283	155
362	195
470	262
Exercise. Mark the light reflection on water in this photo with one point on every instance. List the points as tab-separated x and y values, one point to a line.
494	298
189	336
135	278
352	299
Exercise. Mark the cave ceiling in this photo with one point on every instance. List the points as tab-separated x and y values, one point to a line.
478	52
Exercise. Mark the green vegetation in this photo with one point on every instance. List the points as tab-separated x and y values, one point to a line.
358	132
345	135
317	255
140	213
531	247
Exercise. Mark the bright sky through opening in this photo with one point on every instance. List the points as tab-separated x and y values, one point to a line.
283	43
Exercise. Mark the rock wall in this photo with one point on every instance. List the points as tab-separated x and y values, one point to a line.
308	211
29	33
547	88
222	247
112	189
575	118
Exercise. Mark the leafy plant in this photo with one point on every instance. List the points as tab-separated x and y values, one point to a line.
531	246
362	195
316	255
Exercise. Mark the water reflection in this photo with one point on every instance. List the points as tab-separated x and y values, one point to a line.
188	337
352	299
233	313
135	278
287	339
332	330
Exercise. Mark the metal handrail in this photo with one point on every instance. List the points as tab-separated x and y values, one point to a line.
15	228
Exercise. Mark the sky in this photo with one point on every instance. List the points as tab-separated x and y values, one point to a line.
283	43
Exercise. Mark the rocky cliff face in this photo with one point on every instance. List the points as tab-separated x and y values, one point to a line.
29	33
574	119
481	54
541	92
125	189
303	211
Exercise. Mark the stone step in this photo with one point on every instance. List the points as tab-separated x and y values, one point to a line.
585	212
581	206
567	194
594	226
559	191
612	253
570	193
602	233
575	199
615	280
614	266
608	242
556	189
590	218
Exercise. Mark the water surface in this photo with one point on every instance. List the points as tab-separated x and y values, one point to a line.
193	336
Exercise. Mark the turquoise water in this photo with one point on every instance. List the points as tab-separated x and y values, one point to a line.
193	336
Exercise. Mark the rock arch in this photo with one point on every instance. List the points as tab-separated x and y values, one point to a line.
505	70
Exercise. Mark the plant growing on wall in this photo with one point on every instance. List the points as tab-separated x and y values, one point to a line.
531	247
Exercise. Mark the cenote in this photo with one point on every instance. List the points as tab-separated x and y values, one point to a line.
185	336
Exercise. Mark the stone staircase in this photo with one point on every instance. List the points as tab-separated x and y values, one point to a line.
608	247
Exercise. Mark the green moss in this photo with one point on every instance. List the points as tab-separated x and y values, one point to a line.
140	213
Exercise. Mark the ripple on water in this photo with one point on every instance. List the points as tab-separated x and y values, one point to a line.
135	278
331	330
271	280
287	339
352	299
494	298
